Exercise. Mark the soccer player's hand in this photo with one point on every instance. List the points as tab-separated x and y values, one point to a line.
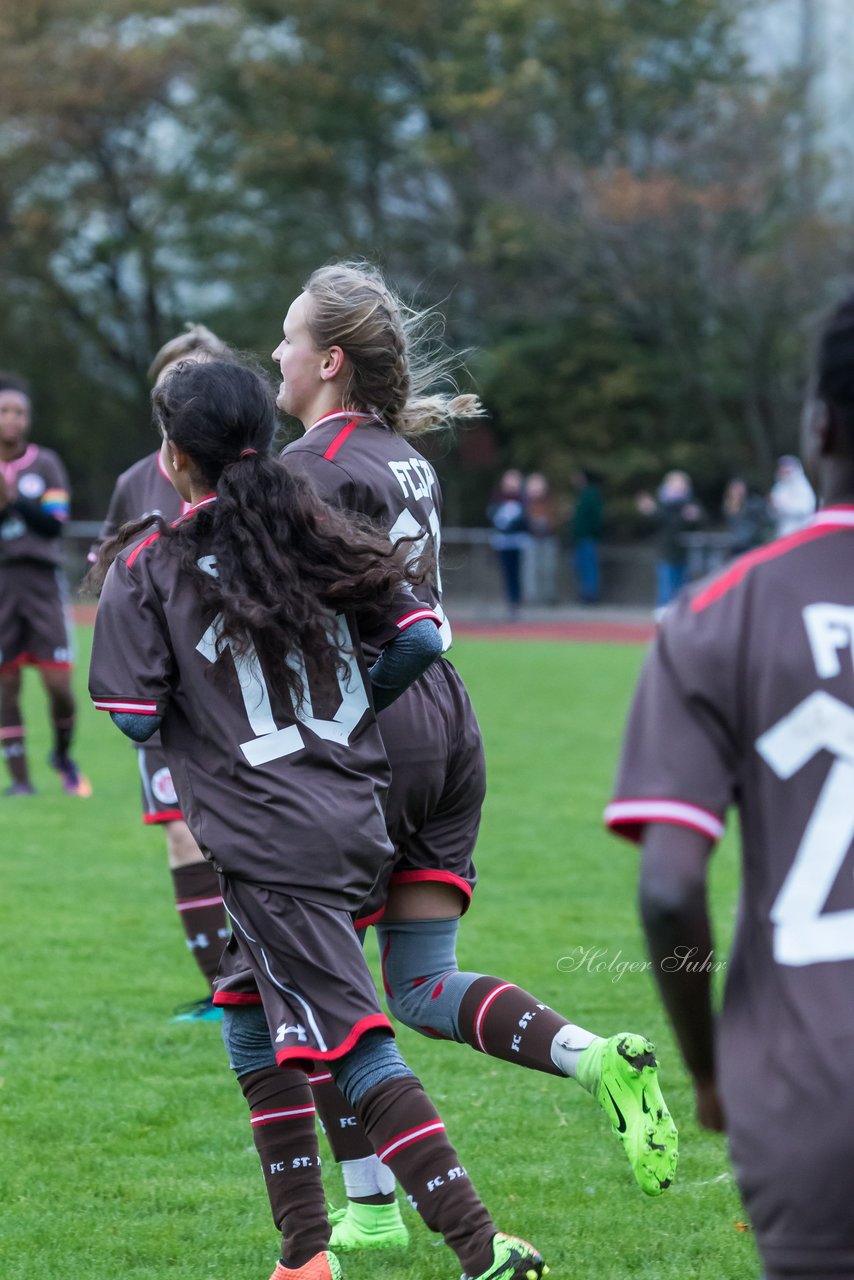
710	1113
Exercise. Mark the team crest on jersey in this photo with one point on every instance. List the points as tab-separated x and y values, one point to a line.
163	788
31	486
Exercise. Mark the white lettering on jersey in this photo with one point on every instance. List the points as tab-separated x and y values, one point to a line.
802	934
415	477
407	526
271	742
830	628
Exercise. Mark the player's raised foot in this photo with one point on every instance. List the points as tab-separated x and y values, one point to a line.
20	789
74	783
622	1074
512	1259
203	1010
323	1266
367	1226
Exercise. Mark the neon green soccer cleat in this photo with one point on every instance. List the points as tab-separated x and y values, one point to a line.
367	1226
622	1074
323	1266
512	1259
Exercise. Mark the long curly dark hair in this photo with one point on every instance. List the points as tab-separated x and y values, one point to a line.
286	562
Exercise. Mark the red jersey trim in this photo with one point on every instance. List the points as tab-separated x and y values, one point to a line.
236	997
440	877
347	430
126	705
305	1053
628	818
164	815
30	660
320	1077
364	922
146	542
418	616
822	525
152	537
406	1139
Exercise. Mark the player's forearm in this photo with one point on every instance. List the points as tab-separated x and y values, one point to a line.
679	936
681	950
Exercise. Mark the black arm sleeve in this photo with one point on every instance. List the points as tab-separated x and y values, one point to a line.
403	660
34	514
139	728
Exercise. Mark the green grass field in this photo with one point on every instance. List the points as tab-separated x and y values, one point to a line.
126	1152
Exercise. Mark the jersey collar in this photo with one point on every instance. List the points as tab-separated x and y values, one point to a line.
837	516
11	468
342	413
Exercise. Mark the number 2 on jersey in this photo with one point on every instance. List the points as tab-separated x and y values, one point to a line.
802	934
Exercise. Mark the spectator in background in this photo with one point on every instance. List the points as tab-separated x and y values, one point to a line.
507	515
675	513
746	516
586	533
539	570
791	501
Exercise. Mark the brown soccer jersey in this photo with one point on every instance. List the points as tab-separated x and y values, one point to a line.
358	464
38	476
747	699
143	490
431	733
293	801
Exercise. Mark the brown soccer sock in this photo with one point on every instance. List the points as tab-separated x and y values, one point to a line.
345	1135
506	1022
282	1116
15	755
199	901
63	732
409	1137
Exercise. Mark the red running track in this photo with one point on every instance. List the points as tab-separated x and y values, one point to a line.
593	632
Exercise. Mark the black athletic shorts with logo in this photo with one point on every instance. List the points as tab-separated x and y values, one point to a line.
34	626
311	975
438	781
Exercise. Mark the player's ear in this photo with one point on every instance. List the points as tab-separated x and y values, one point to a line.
333	362
180	459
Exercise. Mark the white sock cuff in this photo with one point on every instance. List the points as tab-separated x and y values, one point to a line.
568	1045
366	1177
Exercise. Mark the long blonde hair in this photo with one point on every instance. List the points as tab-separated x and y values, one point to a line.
394	352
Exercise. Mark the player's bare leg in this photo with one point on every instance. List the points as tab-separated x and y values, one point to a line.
57	683
198	900
12	739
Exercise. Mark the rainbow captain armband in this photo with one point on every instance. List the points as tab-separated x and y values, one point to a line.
55	502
